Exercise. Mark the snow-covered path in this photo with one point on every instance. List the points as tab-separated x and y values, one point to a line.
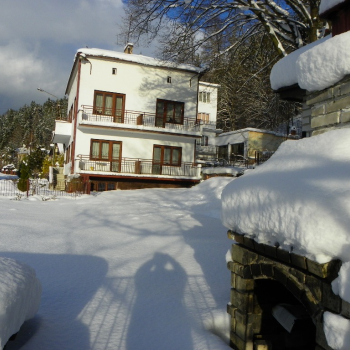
130	270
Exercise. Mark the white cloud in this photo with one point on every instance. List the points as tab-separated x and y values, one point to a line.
38	47
39	39
62	21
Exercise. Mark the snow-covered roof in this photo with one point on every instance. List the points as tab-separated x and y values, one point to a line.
144	60
209	84
316	66
326	5
226	137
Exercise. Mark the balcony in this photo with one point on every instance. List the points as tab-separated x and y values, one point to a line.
207	124
137	119
136	166
63	131
209	149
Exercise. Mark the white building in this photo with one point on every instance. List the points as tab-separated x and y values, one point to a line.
131	121
207	116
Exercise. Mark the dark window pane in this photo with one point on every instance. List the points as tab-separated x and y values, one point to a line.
175	157
167	155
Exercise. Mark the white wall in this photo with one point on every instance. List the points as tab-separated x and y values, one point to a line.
210	108
142	85
136	145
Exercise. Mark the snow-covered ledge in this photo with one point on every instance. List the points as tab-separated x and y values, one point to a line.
290	220
322	70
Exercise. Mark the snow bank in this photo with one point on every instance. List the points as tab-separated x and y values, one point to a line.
337	331
20	293
299	198
316	66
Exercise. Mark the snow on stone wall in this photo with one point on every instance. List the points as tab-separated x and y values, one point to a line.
315	66
298	199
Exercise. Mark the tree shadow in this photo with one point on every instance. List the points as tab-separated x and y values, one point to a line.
68	283
170	328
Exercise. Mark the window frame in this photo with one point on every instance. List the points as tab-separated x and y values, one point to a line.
163	118
171	148
204	96
203	117
112	162
114	95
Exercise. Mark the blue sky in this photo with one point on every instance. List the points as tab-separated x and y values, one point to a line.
38	41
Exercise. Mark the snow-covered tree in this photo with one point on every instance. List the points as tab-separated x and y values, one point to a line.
188	25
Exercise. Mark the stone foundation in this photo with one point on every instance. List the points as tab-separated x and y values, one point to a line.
263	276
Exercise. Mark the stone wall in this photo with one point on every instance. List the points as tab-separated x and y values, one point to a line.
308	282
327	109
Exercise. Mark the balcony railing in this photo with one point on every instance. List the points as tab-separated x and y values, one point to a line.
210	149
136	166
208	124
137	118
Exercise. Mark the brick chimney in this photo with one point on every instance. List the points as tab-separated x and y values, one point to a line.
129	48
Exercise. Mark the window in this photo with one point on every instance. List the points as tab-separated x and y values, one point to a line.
109	103
101	186
168	80
68	155
169	112
109	151
203	117
204	140
165	155
204	97
114	71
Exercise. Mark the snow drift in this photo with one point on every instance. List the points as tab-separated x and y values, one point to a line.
20	293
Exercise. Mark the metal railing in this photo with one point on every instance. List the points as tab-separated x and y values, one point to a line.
136	166
206	149
207	124
38	187
138	118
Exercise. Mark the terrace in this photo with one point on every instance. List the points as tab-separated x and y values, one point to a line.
146	120
136	166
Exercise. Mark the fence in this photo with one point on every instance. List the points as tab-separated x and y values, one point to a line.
40	187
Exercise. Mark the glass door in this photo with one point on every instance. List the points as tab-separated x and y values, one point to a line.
157	160
116	154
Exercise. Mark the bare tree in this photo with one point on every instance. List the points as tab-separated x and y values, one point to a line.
246	98
188	25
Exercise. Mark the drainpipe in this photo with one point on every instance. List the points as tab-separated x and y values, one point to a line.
76	117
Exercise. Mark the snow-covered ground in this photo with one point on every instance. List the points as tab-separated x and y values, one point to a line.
141	269
300	200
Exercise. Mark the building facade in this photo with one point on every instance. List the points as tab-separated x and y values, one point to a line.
207	117
131	123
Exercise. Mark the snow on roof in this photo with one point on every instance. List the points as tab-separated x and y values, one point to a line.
144	60
226	137
326	5
284	72
299	198
209	84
